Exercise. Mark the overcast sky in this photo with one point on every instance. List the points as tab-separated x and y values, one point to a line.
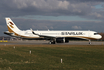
53	14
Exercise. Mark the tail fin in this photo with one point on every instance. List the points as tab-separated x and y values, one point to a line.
12	28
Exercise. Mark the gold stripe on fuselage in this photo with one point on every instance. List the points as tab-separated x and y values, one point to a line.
82	37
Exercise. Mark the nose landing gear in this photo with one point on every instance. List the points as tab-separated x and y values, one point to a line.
89	41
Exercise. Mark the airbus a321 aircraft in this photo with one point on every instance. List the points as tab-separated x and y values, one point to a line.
52	36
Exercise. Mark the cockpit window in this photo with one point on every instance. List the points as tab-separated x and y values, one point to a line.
96	33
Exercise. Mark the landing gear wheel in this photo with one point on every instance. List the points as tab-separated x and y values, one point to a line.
89	42
52	42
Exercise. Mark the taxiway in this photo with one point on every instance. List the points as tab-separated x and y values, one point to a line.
33	42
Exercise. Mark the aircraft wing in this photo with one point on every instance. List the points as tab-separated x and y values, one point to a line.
46	36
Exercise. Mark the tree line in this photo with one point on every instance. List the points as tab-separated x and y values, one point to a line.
102	34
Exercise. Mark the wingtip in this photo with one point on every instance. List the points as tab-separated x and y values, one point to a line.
31	29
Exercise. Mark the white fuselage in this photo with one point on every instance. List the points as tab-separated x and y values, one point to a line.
75	34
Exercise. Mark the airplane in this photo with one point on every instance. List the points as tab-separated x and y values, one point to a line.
53	36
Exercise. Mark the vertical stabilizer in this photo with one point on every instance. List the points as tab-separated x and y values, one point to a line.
11	26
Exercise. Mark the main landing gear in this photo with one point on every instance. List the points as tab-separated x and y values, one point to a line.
52	42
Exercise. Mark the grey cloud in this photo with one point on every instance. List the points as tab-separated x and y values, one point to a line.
45	7
81	8
86	0
76	27
17	8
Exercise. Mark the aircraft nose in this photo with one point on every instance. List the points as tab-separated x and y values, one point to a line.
100	36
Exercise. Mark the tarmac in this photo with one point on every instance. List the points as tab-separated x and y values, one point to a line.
38	42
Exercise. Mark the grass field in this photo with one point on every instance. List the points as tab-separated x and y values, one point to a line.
48	57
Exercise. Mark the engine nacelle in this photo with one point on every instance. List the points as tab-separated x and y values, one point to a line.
61	40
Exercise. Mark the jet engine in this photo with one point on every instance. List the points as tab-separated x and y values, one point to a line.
61	40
